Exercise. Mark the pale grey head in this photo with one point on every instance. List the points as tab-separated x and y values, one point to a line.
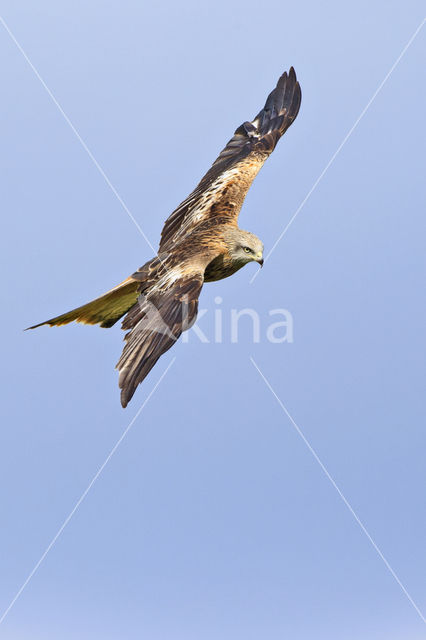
244	246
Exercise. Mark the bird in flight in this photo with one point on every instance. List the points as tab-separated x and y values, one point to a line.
200	242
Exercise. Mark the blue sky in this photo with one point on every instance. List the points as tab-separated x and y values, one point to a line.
213	519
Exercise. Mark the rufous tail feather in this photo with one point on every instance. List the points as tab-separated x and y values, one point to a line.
105	310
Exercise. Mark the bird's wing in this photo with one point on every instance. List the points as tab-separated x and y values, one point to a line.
221	192
163	310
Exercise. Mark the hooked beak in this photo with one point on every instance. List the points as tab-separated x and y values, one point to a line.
259	259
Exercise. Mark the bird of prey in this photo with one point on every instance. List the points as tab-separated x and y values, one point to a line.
200	242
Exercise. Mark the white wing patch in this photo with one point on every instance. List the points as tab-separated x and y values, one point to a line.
242	174
169	277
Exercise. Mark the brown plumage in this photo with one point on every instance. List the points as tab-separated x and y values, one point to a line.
200	242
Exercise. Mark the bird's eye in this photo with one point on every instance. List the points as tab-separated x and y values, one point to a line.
247	249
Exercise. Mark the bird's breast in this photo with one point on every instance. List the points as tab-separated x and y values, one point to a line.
221	267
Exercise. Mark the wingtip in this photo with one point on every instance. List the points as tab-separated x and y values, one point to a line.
290	74
124	400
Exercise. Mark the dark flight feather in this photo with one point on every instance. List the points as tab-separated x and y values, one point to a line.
222	188
156	321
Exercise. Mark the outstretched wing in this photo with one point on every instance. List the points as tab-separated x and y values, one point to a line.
156	321
221	192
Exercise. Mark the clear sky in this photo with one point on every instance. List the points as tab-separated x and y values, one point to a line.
213	519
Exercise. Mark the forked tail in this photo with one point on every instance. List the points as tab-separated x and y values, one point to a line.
105	310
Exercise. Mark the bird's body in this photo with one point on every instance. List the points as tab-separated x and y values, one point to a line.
200	242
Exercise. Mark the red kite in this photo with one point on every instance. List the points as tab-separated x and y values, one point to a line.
200	242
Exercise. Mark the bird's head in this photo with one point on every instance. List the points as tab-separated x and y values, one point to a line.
244	247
